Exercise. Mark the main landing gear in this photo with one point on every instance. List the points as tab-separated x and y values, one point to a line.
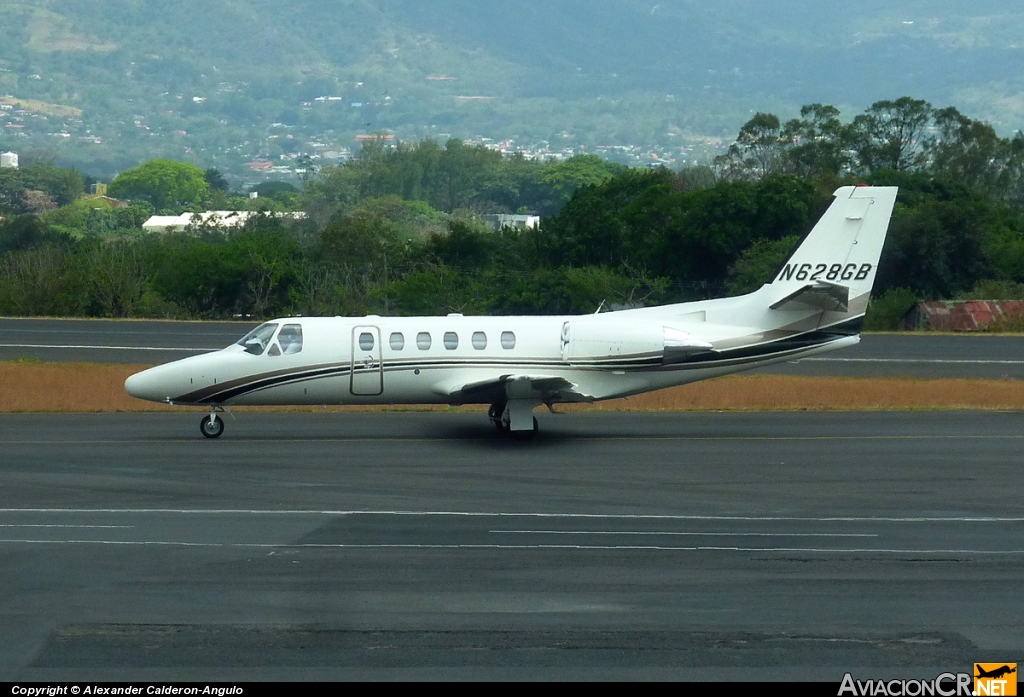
212	426
514	417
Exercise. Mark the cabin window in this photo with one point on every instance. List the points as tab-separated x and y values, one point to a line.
423	341
274	350
451	341
397	341
256	341
366	341
508	340
479	341
290	339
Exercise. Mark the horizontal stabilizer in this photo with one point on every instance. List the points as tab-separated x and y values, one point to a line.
820	295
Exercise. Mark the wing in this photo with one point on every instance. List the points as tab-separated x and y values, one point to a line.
543	388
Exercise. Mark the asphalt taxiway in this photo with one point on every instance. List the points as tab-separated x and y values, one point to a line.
425	545
152	342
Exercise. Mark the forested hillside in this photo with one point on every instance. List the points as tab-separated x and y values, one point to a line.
226	82
401	230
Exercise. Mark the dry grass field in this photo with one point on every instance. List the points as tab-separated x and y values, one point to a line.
81	387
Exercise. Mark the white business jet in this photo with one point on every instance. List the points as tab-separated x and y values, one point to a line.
815	304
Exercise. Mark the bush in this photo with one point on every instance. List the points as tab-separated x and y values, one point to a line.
995	290
886	312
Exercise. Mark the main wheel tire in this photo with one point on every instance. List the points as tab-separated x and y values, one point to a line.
211	430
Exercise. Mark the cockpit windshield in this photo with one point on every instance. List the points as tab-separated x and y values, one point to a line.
256	341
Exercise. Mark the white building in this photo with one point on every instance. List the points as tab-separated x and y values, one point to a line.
9	159
175	223
520	222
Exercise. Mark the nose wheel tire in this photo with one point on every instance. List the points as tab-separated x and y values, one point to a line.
211	429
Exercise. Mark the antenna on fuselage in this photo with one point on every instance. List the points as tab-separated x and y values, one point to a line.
599	308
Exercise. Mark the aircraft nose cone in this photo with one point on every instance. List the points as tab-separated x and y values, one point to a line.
143	386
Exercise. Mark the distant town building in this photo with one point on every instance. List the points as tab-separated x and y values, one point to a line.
9	159
520	222
98	189
175	223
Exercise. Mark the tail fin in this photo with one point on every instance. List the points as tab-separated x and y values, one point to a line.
834	267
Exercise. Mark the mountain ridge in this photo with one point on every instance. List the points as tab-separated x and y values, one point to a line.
603	71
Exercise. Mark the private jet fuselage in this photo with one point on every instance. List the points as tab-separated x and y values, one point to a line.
815	304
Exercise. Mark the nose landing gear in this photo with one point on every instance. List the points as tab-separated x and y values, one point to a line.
212	426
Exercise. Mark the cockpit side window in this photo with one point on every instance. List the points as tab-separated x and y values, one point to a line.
256	341
290	339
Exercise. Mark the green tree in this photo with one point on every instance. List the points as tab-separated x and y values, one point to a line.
591	229
269	259
890	134
819	142
58	185
935	247
758	151
759	263
437	289
215	180
334	192
29	232
564	178
42	281
760	139
163	183
116	277
970	152
73	218
465	174
886	311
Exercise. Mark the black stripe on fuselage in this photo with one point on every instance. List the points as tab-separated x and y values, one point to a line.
217	394
790	344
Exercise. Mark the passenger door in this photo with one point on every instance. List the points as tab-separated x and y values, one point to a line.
367	367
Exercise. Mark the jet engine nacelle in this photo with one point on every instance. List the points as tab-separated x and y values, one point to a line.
598	339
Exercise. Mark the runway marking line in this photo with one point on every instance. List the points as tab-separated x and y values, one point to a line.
656	533
913	360
499	514
40	525
581	438
108	348
627	548
118	332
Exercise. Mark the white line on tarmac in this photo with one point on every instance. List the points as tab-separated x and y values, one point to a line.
37	525
683	534
484	514
107	348
605	548
911	360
